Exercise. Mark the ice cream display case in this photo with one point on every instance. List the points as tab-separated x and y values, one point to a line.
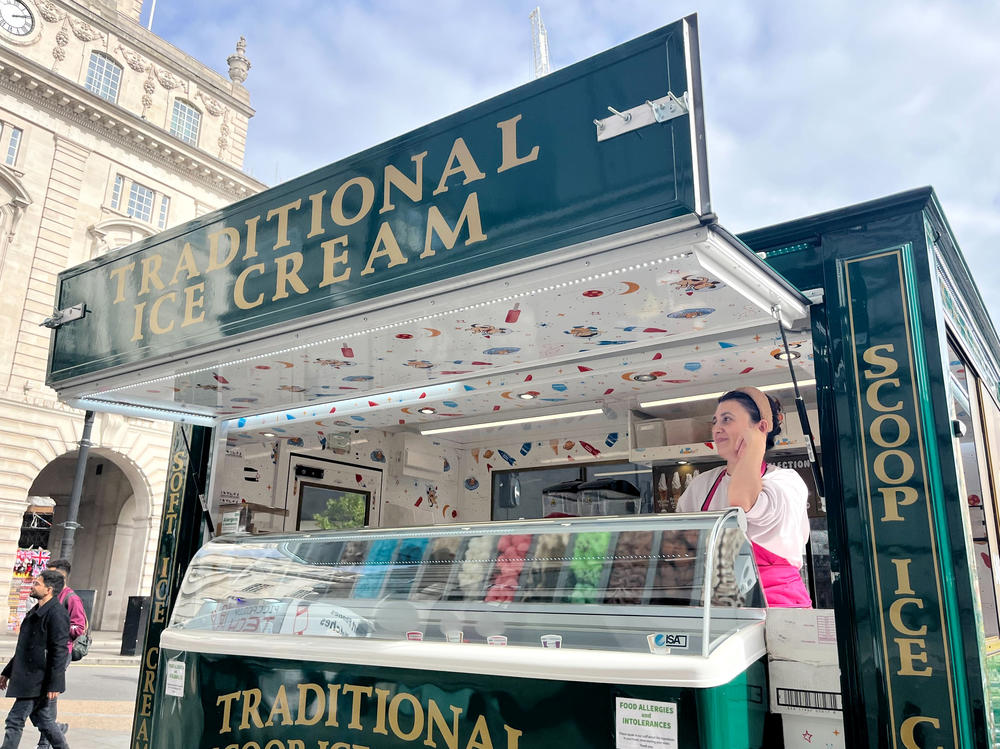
589	632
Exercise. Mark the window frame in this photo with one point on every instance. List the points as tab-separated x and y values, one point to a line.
110	66
11	137
178	130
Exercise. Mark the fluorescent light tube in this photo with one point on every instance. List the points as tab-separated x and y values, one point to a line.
508	422
707	396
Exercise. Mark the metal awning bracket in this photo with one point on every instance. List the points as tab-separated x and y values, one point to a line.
63	316
660	110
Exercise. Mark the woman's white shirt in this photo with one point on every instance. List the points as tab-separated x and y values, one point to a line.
778	521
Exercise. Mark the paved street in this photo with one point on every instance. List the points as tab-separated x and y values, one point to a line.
98	706
99	698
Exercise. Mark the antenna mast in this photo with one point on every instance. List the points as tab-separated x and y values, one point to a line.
539	43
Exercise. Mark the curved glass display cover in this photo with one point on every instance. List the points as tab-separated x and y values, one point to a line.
592	583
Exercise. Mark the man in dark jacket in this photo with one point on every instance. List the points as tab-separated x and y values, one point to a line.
36	673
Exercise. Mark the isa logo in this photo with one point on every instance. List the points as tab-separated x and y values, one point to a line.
661	642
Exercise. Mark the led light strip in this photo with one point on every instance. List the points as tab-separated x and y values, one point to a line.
409	322
707	396
508	422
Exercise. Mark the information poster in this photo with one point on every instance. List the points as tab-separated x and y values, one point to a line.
645	724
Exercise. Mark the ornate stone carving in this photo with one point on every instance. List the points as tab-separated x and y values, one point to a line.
84	31
134	60
59	54
49	11
214	106
168	80
239	65
62	38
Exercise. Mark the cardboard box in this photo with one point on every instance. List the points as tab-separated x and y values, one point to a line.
804	689
687	431
809	732
805	635
649	433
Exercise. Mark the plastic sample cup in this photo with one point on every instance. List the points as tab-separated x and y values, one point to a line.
454	635
414	635
497	639
551	641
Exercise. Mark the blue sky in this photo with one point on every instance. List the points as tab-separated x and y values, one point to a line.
809	106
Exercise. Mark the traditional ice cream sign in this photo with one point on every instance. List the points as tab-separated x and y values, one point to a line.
518	175
163	291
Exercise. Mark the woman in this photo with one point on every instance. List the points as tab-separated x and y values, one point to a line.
774	499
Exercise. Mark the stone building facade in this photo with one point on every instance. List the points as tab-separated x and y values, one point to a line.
108	134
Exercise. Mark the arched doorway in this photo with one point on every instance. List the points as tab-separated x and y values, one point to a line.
114	515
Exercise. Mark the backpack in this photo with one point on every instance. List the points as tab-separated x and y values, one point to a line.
81	645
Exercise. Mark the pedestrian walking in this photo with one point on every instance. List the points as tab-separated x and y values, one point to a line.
37	673
77	626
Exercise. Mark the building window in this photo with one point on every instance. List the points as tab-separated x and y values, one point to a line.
185	122
164	212
140	202
12	142
104	76
116	194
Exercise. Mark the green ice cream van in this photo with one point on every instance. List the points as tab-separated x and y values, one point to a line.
435	405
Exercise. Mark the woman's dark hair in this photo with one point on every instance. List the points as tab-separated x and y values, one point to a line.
747	402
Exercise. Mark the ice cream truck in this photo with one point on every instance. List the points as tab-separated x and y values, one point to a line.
435	404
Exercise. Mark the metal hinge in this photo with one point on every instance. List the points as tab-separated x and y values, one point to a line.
63	316
660	110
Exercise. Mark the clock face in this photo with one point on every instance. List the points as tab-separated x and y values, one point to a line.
15	18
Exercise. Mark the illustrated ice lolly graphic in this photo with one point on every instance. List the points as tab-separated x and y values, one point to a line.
513	314
347	352
505	456
611	439
525	448
589	448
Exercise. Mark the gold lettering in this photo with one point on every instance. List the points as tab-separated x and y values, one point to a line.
437	225
154	315
142	734
892	502
390	249
282	213
908	726
905	463
513	736
871	395
288	273
149	684
331	718
239	292
118	274
903	577
251	707
331	259
190	302
150	273
137	326
895	616
367	201
383	696
251	250
480	737
356	692
214	263
508	141
280	707
875	430
226	700
320	698
159	612
316	227
459	160
907	656
888	364
146	705
413	189
186	263
435	718
152	657
418	716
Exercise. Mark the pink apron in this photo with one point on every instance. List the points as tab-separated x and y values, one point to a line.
783	586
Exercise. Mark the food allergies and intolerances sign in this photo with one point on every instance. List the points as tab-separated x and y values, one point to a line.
645	724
